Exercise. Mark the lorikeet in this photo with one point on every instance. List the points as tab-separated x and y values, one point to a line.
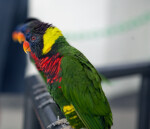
73	81
22	32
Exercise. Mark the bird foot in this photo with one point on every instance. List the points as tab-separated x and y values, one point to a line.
63	122
45	94
49	101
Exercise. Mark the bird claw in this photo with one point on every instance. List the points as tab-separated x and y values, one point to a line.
63	122
49	101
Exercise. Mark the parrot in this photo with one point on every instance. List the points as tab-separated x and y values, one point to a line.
73	81
21	32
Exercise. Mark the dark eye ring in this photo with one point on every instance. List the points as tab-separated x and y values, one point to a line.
33	38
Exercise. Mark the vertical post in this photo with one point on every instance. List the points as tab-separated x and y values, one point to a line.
144	103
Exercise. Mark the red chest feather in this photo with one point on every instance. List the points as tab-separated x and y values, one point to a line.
51	67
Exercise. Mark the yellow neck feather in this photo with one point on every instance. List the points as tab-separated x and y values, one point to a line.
49	38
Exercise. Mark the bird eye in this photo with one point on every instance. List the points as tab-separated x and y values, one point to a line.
33	38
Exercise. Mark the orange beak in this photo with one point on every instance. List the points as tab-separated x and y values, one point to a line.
26	47
21	37
15	36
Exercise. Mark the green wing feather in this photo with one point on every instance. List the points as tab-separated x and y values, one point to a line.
81	85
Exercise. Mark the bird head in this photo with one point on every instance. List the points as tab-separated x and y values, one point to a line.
41	38
25	29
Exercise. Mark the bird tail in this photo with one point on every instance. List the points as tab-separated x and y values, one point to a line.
108	120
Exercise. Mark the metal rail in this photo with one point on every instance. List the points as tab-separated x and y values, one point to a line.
44	114
125	70
49	113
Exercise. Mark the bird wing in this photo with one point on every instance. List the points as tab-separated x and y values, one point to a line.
81	85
